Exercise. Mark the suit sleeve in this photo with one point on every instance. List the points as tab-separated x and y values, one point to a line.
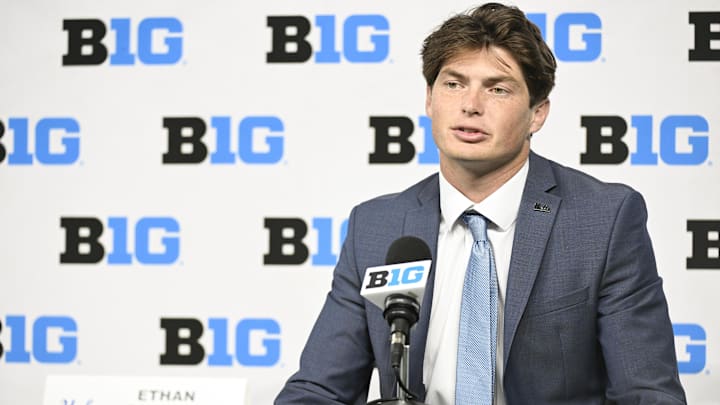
337	361
634	327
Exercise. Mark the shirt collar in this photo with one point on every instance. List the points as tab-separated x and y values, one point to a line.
501	207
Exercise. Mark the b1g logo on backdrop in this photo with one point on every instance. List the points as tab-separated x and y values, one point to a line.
690	347
53	339
288	244
257	342
156	240
150	41
256	140
682	140
392	140
705	35
705	244
47	141
577	37
362	38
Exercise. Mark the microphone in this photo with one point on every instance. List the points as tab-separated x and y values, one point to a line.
398	288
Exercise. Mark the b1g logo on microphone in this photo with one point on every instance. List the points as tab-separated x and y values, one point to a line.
157	240
705	244
683	140
363	38
48	141
159	41
705	35
257	342
577	37
392	140
53	339
288	244
402	278
257	140
690	347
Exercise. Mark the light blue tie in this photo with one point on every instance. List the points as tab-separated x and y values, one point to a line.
477	341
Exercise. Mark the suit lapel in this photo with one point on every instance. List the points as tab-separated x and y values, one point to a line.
536	216
423	222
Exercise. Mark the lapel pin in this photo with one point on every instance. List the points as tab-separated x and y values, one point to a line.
541	207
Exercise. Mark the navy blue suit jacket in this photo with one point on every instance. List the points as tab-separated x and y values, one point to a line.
586	319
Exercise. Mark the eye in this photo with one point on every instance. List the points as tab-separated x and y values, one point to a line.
499	91
452	84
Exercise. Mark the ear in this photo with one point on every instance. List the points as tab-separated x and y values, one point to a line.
540	113
428	101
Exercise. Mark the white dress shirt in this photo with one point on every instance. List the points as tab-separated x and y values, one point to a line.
454	246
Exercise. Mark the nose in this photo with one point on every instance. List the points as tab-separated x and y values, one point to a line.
472	103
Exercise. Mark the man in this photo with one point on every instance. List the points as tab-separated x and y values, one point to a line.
581	317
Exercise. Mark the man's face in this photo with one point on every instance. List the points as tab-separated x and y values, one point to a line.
481	114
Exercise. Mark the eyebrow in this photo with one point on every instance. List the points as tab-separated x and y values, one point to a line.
488	81
454	73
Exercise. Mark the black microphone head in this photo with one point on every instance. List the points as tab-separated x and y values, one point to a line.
408	249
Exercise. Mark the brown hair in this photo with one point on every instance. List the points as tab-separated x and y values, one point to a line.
498	25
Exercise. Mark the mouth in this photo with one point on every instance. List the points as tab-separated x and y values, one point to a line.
471	134
470	130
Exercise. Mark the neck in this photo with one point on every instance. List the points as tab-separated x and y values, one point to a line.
477	184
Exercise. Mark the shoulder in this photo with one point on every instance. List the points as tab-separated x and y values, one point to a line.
580	190
420	193
574	182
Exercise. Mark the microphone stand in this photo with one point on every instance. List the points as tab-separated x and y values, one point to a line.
401	312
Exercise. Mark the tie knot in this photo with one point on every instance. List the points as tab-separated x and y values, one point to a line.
477	225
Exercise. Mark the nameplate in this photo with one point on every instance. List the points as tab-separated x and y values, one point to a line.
120	390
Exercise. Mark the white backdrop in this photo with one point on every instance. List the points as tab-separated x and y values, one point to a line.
185	242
